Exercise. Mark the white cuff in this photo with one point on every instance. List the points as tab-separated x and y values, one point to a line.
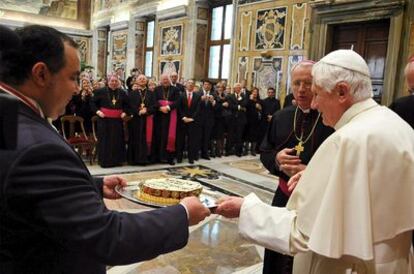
266	225
186	211
168	107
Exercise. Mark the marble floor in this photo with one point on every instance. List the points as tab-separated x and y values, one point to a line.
214	245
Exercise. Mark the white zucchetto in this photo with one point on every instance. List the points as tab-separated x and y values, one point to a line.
347	59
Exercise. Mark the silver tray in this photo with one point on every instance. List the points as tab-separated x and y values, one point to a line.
129	193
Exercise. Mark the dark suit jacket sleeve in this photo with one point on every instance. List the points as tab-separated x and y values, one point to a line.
99	184
48	187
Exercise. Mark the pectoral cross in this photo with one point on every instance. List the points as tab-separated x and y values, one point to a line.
299	148
113	101
142	105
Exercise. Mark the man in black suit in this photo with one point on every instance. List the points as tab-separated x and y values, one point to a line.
237	103
189	123
175	83
53	218
404	106
207	117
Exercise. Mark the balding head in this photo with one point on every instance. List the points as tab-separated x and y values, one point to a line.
141	80
301	83
165	80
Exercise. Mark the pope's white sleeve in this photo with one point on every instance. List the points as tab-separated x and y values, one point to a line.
266	225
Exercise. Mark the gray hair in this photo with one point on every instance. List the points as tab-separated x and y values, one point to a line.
327	76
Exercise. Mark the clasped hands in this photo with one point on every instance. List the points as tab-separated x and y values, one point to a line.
164	109
288	162
187	120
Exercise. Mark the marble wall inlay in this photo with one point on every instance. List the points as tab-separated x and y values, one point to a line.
270	28
245	30
119	49
268	73
298	26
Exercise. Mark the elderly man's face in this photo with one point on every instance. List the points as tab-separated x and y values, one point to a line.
165	81
174	78
301	86
113	83
141	80
237	89
328	104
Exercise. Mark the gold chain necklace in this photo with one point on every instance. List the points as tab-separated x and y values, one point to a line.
299	147
141	91
114	99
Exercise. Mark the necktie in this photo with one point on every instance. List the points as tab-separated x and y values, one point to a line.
189	99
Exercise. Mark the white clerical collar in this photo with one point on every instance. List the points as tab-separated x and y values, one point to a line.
23	98
304	110
354	110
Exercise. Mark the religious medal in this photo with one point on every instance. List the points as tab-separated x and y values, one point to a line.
299	148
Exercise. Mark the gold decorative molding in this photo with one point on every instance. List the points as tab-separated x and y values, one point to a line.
298	26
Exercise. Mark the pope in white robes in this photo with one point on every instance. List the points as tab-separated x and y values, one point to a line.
352	210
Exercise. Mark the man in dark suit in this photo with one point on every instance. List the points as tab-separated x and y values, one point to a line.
189	123
175	83
237	103
404	106
207	117
53	218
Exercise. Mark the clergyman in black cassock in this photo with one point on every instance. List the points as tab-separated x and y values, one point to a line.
297	131
166	98
140	127
110	104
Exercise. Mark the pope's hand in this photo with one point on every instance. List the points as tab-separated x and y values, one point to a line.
229	206
196	210
109	184
294	180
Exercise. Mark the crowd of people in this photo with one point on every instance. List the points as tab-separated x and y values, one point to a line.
170	121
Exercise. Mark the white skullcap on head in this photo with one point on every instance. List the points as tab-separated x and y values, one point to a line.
347	59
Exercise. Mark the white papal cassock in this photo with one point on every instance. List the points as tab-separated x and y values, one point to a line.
353	208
